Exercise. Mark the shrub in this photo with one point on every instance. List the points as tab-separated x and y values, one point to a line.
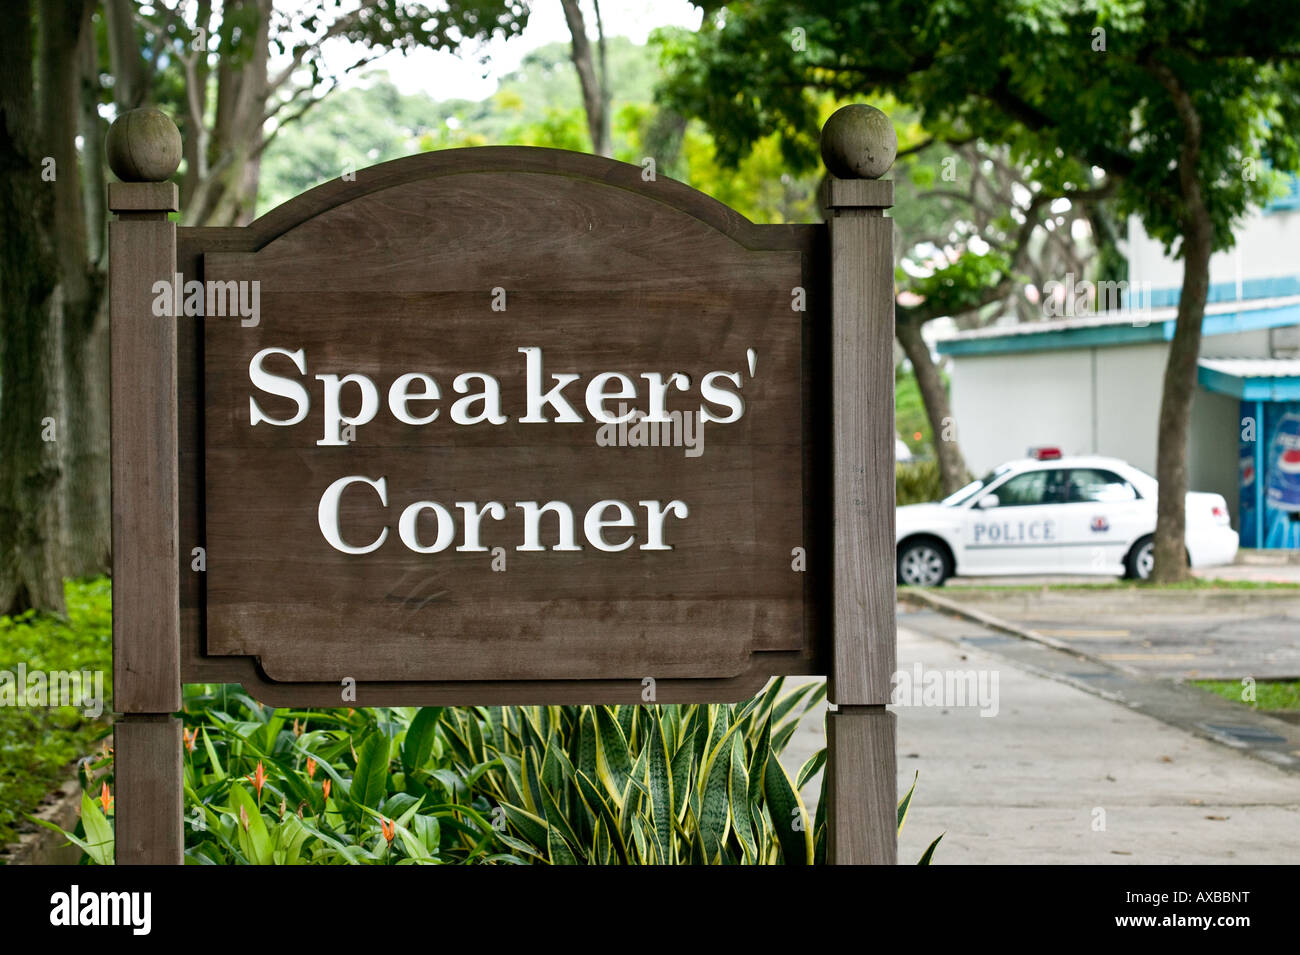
558	784
916	482
40	742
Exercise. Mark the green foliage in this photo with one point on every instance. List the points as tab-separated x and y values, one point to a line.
1065	86
39	743
539	104
560	785
917	482
957	286
909	413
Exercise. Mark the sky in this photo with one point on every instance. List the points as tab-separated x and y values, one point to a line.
445	76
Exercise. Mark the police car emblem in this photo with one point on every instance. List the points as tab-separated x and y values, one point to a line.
1100	524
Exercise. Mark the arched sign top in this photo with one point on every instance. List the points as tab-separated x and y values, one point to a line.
596	171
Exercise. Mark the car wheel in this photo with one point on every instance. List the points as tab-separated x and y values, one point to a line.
923	563
1141	560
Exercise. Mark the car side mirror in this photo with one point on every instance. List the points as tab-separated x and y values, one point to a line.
987	501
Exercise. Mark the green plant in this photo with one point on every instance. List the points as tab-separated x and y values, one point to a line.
39	743
675	784
916	482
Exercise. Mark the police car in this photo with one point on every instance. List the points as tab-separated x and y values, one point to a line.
1049	514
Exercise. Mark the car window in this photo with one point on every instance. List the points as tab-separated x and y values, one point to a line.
1032	487
1096	485
964	494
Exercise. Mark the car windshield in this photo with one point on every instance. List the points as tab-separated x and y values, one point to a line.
963	495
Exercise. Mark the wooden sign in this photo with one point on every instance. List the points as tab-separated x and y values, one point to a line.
500	419
503	425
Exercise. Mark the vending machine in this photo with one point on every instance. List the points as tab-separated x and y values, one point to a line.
1270	474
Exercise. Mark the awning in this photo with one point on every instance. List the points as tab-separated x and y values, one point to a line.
1251	379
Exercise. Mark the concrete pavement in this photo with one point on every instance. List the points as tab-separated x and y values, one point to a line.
1062	775
1176	634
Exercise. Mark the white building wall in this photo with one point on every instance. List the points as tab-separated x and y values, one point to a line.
1005	404
1252	344
1265	248
1130	379
1212	449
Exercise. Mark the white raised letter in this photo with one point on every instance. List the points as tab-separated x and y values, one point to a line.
327	515
536	399
276	385
532	521
490	396
400	397
597	396
406	527
655	518
718	396
473	515
335	417
594	525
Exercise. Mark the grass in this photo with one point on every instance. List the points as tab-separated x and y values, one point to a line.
38	743
1275	695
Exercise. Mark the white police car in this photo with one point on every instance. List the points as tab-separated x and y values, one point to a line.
1048	514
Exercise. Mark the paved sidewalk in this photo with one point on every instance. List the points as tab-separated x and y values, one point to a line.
1024	786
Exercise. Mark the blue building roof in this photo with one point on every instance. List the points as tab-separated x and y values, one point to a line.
1264	303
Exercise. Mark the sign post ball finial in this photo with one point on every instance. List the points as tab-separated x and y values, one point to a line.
858	142
143	145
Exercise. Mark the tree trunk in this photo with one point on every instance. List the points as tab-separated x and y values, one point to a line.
1176	408
130	79
30	575
1184	349
85	508
952	467
595	96
228	196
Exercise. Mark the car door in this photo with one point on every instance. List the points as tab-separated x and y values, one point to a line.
1019	534
1102	515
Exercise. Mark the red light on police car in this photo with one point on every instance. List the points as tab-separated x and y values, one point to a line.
1045	454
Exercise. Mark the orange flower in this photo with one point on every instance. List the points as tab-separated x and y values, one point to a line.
105	799
258	779
297	730
311	768
326	787
389	828
191	737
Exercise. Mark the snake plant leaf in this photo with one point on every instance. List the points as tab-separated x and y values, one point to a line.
661	787
738	792
532	827
789	818
810	769
560	853
613	766
559	821
928	855
906	801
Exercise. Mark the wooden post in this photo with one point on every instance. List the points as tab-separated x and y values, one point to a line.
858	145
144	149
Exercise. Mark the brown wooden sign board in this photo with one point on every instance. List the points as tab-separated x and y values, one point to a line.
500	426
489	277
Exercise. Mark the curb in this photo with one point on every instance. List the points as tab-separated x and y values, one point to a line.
954	609
40	846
